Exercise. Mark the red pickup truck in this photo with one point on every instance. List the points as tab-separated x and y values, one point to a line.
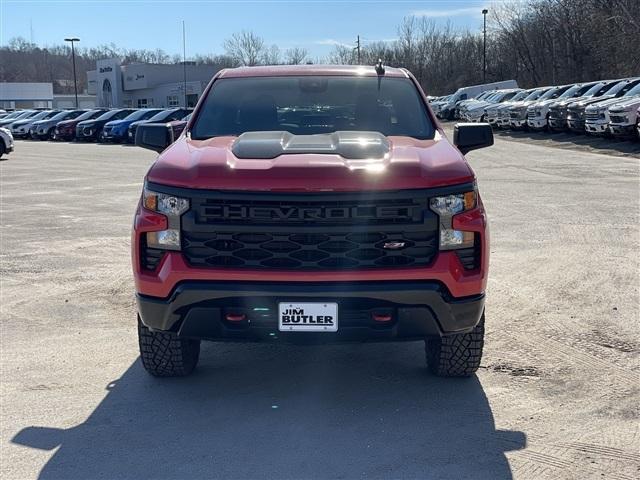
311	204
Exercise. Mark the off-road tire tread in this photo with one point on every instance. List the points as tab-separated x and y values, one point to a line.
456	355
163	354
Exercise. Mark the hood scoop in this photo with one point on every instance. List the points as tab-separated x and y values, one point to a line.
348	144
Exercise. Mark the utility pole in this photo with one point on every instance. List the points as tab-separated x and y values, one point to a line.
73	56
358	48
184	63
484	46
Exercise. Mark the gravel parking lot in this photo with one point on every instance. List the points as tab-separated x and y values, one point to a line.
556	397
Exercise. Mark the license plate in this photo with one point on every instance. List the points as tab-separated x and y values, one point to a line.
308	317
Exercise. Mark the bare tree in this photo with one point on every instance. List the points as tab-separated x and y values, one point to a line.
271	56
246	48
295	56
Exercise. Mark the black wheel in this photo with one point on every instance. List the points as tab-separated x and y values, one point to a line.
456	355
52	134
1	147
163	354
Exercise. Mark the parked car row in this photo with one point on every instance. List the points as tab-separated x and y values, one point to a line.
99	124
605	107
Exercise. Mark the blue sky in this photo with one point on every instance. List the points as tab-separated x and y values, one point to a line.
314	25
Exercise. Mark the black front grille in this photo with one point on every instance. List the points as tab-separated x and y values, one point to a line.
592	116
309	251
576	113
310	231
618	119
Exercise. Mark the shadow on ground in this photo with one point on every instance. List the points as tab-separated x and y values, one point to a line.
575	141
278	411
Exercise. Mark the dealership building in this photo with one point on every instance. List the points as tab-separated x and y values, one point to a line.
141	85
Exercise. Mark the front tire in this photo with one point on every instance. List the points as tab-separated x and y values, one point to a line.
163	354
456	355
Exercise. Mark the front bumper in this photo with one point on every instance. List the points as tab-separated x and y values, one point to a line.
518	123
65	134
557	123
622	130
114	136
576	125
536	123
20	132
597	127
416	309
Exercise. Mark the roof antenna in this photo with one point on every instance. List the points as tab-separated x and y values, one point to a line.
379	67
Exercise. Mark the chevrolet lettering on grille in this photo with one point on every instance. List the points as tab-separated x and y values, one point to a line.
284	213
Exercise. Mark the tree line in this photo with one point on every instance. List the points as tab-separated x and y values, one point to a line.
536	42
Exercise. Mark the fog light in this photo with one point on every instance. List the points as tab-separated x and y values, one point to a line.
166	239
450	239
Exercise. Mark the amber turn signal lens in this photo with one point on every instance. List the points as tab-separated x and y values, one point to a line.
469	200
150	201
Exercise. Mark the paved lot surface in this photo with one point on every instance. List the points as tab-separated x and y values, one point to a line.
556	397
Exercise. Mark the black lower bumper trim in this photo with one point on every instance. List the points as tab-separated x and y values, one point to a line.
416	310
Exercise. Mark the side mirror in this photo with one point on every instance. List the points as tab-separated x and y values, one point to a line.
154	136
470	136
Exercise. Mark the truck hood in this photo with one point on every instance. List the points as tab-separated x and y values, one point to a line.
625	105
410	163
114	123
565	102
607	103
480	106
70	122
582	104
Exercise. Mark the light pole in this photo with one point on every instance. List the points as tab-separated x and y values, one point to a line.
484	46
184	64
73	56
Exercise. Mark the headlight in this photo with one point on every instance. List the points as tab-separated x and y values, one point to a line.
171	206
453	204
448	206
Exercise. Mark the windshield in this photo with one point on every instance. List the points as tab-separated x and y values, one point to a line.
551	93
593	90
167	115
521	95
13	115
312	104
572	91
88	115
28	114
536	94
114	115
634	91
141	115
39	115
61	115
617	87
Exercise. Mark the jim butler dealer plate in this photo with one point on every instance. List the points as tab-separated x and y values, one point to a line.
308	317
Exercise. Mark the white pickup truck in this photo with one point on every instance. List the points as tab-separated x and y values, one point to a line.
6	141
623	117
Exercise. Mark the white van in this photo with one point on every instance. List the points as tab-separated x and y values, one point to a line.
448	110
